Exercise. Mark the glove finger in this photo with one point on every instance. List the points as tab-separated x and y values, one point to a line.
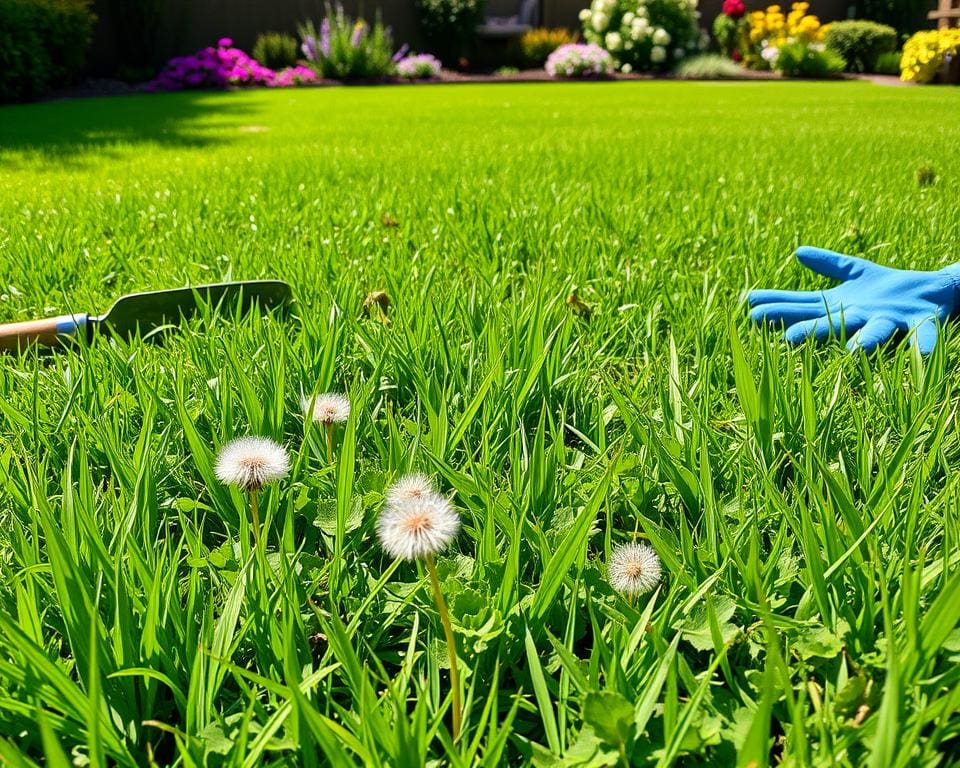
832	264
822	327
765	296
788	314
924	335
877	331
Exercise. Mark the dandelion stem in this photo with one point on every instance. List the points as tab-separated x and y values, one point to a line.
451	643
255	514
329	430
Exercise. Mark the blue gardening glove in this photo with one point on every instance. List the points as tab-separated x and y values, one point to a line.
872	303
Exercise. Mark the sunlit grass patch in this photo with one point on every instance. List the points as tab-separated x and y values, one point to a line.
801	502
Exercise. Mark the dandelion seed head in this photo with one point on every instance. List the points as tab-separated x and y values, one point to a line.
328	408
410	487
633	569
251	462
417	527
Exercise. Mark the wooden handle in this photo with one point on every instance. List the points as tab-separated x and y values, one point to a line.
49	332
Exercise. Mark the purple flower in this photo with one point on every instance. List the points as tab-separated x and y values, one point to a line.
577	60
325	37
294	76
309	47
404	49
213	67
419	66
358	29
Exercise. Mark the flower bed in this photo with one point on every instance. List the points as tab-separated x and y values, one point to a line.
224	66
926	53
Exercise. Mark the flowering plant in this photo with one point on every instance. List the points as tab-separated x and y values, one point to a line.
734	8
298	75
213	67
225	66
345	49
419	66
578	60
730	29
537	44
643	34
925	54
771	30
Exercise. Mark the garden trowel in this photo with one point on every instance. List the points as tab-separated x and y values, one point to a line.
145	312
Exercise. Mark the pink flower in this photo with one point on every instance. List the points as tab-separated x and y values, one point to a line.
734	8
225	42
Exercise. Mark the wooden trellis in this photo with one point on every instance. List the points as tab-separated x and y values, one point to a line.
948	15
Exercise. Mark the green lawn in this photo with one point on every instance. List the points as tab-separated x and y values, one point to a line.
803	502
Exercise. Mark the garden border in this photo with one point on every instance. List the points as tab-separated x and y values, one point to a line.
98	88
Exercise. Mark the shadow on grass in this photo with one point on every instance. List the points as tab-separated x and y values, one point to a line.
68	131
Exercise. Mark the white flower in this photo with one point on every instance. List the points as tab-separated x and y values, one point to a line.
585	14
661	37
633	569
614	41
251	462
770	53
639	29
642	12
626	69
410	487
679	53
600	21
658	54
328	408
418	527
628	18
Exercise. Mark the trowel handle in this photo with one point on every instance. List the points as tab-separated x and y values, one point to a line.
49	332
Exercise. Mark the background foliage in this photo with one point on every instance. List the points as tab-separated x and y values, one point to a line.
861	43
43	45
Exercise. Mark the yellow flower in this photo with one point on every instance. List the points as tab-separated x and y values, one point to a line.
925	52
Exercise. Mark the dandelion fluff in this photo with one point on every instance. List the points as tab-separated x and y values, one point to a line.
409	488
634	569
328	408
418	527
251	462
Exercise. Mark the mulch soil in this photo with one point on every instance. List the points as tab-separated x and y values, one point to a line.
92	87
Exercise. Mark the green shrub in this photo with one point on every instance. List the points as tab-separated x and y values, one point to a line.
708	66
887	63
726	31
347	49
537	44
43	43
861	42
448	26
276	50
799	60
